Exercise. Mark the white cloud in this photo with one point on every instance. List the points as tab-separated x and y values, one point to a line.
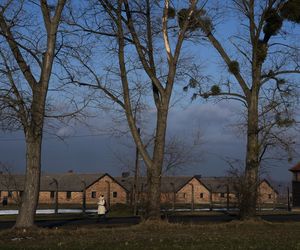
65	132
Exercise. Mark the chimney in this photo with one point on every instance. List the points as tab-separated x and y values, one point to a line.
125	174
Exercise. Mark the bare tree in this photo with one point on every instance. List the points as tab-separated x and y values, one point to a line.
261	72
144	41
180	153
9	181
28	31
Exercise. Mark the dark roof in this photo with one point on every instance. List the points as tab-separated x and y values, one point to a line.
11	182
280	187
178	183
220	184
167	183
213	184
75	182
127	182
217	184
66	182
295	168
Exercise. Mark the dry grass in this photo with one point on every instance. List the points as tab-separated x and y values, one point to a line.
162	235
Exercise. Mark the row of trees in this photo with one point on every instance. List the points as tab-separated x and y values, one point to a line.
123	50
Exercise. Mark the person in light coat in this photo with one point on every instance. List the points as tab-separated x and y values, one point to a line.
101	207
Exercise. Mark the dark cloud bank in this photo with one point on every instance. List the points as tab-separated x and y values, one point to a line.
220	140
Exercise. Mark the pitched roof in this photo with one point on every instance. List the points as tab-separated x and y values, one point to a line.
217	184
76	182
66	182
220	184
280	187
174	183
213	184
295	168
272	184
11	182
168	183
127	182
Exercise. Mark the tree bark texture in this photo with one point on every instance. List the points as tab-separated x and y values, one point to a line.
161	91
33	135
34	122
249	192
154	171
30	195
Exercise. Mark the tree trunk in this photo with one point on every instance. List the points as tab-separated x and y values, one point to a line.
154	171
33	118
33	135
136	178
30	195
153	201
249	191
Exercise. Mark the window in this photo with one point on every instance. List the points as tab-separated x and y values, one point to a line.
222	195
69	194
20	193
201	195
184	195
270	196
93	195
0	193
9	194
115	194
52	193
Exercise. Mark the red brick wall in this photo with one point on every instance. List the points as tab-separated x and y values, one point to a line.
13	199
266	194
45	198
217	198
102	187
184	195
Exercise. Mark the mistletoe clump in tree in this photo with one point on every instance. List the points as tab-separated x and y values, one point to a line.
259	75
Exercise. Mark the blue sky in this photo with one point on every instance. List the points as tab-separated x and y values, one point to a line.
97	153
82	153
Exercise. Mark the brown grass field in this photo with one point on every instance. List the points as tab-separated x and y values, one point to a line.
159	235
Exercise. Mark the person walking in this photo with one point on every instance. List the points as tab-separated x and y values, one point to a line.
101	207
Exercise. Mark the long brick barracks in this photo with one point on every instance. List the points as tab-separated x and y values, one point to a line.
83	188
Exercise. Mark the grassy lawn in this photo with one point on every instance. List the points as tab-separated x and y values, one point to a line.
233	235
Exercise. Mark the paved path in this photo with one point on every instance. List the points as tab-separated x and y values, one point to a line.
127	221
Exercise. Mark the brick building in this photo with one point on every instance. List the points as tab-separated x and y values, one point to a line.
197	190
76	188
71	188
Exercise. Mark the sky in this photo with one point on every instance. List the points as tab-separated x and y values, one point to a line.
87	150
95	150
